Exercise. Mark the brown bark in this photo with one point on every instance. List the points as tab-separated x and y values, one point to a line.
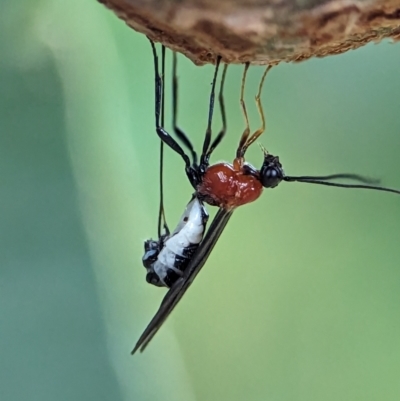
261	31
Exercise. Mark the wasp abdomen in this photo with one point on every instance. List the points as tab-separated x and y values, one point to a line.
167	258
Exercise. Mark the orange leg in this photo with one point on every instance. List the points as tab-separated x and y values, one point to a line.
257	133
242	143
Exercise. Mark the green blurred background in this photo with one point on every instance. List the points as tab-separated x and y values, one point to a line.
299	300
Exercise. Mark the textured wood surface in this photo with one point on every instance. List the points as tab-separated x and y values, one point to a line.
260	31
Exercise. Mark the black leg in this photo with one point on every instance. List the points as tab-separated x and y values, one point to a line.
179	133
207	138
157	84
221	134
162	221
161	132
157	107
243	139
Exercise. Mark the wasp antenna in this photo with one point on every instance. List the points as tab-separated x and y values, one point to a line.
334	184
345	176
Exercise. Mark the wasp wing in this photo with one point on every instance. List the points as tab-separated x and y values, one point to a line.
177	290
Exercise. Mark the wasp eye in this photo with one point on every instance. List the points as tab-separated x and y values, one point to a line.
271	173
271	177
